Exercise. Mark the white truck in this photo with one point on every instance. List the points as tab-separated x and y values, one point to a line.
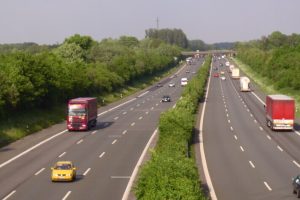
231	67
244	84
235	74
184	81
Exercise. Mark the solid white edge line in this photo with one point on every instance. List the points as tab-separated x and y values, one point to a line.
38	172
86	172
267	185
32	148
66	196
137	166
9	195
212	192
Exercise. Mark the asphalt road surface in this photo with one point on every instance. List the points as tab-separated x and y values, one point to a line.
105	156
245	159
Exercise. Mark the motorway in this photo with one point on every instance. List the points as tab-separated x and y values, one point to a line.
105	156
245	159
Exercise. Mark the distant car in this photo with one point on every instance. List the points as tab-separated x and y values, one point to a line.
222	72
171	84
63	171
216	74
223	78
159	85
215	68
166	98
193	72
296	186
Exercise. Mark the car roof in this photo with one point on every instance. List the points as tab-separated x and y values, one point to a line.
63	162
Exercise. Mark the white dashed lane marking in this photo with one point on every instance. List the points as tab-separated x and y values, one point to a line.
114	142
280	149
267	185
86	172
124	132
242	149
235	137
61	155
297	164
9	195
101	155
79	141
40	171
66	196
140	118
251	163
94	132
269	137
124	113
116	118
132	124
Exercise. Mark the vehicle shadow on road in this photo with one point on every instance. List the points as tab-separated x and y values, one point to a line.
103	125
297	126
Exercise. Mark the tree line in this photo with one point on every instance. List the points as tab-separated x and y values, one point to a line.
33	76
275	57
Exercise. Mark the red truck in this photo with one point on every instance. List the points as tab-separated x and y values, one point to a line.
280	112
82	113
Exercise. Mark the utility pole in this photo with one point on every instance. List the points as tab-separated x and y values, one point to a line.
157	23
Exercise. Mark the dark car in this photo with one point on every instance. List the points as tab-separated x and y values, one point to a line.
166	98
296	186
159	85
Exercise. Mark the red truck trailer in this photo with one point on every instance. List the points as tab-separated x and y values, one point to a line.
82	113
280	112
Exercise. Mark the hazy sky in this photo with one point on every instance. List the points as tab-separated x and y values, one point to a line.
51	21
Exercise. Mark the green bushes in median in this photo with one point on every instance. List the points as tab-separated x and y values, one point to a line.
171	173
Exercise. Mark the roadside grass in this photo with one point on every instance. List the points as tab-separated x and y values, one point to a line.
267	86
21	124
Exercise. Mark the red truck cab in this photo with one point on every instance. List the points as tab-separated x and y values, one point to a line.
82	113
280	112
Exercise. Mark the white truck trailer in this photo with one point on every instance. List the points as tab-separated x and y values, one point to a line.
235	74
244	84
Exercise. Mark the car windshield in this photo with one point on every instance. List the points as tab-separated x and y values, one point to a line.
75	110
63	166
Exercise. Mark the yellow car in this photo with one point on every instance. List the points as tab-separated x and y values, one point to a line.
63	171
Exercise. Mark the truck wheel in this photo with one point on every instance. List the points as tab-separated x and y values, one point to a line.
269	123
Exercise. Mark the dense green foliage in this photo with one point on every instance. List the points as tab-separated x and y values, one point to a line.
276	57
202	46
171	173
170	36
78	67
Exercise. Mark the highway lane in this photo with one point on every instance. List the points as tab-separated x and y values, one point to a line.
105	156
243	160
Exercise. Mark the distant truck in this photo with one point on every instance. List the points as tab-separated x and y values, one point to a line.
184	81
231	67
280	112
244	84
235	73
82	113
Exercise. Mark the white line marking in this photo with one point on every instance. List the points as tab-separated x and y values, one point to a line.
152	108
229	121
61	155
202	151
225	106
261	128
147	112
227	115
242	149
269	188
66	196
251	115
231	128
226	110
140	117
143	94
235	137
269	137
116	118
157	104
261	101
245	106
297	132
297	164
132	124
251	163
86	172
136	168
37	173
124	113
101	155
131	108
126	177
117	106
124	132
248	110
174	106
255	121
114	141
94	132
79	141
9	195
138	105
31	148
280	149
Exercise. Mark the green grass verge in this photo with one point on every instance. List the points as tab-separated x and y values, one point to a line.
266	85
21	124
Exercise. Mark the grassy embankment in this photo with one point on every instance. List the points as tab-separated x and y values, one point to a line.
21	124
266	85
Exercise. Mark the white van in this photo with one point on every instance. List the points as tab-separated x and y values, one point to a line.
184	81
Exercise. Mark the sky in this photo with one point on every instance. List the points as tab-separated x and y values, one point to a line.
51	21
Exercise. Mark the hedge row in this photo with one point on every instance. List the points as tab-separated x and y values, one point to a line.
171	173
